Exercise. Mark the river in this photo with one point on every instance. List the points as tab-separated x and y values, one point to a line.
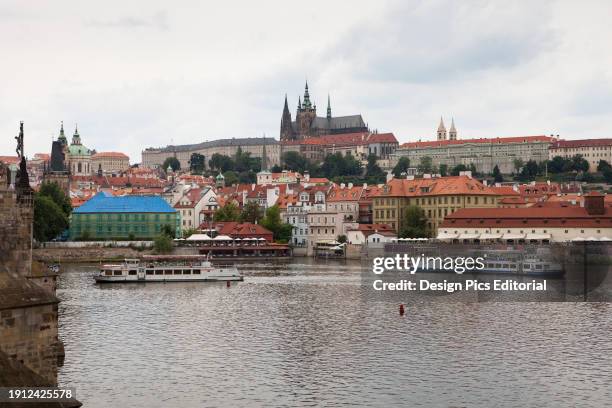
311	334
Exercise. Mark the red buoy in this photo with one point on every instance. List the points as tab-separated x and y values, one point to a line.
401	309
228	284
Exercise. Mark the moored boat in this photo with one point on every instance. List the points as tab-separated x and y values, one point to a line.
167	268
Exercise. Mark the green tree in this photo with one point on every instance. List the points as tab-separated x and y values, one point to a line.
529	171
341	239
229	212
458	169
168	230
295	161
49	219
374	174
162	244
250	212
221	162
414	224
197	163
55	193
189	232
443	170
579	163
557	165
497	176
603	165
231	178
425	165
276	169
402	166
171	161
272	221
518	163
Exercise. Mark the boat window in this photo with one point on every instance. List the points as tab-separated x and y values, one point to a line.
538	266
149	271
108	273
118	273
177	272
196	272
527	266
159	272
167	272
186	272
132	272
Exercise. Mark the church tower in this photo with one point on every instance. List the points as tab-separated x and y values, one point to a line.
441	130
452	133
286	131
329	116
305	116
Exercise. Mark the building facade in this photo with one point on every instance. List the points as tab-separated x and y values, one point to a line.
592	150
484	153
110	162
134	217
154	157
308	124
438	197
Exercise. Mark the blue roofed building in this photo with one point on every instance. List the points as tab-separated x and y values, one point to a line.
106	217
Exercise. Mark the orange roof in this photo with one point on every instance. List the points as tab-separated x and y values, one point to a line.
369	229
456	185
505	191
344	194
560	144
496	140
9	159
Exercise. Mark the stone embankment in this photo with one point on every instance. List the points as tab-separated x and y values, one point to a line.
86	255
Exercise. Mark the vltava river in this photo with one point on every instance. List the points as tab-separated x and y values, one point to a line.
310	334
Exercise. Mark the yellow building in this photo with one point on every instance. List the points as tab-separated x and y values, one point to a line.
593	150
438	197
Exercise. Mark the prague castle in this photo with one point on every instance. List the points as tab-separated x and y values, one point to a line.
307	123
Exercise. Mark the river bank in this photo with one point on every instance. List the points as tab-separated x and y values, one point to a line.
86	255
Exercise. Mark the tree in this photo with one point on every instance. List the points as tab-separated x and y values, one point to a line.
49	219
529	171
443	170
518	163
402	166
557	165
458	169
55	193
189	232
171	161
607	174
425	165
221	162
250	212
497	176
374	174
197	163
272	221
295	162
276	169
168	231
603	165
162	244
579	163
231	178
341	239
229	212
414	224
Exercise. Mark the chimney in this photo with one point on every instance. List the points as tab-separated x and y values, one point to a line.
350	185
341	186
594	203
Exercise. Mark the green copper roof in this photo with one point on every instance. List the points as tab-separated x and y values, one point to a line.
78	150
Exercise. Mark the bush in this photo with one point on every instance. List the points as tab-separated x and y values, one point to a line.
162	244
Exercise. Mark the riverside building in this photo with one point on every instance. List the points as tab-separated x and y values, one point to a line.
136	217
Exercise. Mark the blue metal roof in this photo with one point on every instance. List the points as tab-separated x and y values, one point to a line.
107	203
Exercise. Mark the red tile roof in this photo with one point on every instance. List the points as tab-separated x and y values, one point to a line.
337	194
560	144
495	140
118	155
457	185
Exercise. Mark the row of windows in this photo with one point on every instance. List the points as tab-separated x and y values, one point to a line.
122	217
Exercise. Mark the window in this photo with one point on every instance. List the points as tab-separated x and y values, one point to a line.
132	272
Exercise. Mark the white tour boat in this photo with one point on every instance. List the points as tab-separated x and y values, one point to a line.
167	268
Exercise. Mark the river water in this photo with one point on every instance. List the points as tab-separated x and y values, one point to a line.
311	334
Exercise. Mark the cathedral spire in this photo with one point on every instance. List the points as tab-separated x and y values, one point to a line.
264	156
441	130
306	97
452	133
329	115
76	138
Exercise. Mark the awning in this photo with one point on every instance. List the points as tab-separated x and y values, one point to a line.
538	236
513	236
445	235
222	238
469	236
490	236
199	237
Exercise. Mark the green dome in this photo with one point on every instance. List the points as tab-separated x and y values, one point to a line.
220	176
78	150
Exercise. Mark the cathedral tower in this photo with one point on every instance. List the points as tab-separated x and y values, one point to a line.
286	131
441	130
452	133
306	115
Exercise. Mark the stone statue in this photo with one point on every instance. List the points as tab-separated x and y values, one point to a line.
19	139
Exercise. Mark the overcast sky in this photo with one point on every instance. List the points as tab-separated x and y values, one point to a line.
135	74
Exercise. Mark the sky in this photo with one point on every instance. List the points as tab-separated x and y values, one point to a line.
149	73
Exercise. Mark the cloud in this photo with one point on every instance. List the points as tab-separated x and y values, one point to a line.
157	21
